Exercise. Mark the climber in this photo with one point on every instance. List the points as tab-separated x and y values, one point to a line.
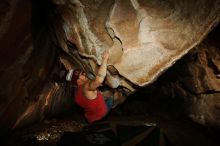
87	95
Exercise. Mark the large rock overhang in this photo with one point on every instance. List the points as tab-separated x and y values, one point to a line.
144	38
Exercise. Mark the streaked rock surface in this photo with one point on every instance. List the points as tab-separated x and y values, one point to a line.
144	38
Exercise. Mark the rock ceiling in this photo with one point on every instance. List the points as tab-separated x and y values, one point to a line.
144	37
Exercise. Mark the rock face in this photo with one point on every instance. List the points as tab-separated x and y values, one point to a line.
193	84
28	57
199	84
144	39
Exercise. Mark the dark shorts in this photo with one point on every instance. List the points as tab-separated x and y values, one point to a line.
109	102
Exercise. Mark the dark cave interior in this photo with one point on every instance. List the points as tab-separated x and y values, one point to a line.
147	106
163	107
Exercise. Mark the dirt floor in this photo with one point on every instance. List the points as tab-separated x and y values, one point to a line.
178	130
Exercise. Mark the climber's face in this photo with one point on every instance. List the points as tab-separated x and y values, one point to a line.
82	78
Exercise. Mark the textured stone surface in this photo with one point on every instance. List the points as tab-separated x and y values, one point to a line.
144	37
27	57
193	84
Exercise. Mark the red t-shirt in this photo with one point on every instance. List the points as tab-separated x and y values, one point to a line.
94	109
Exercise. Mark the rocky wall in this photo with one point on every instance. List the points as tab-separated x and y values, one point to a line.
144	39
